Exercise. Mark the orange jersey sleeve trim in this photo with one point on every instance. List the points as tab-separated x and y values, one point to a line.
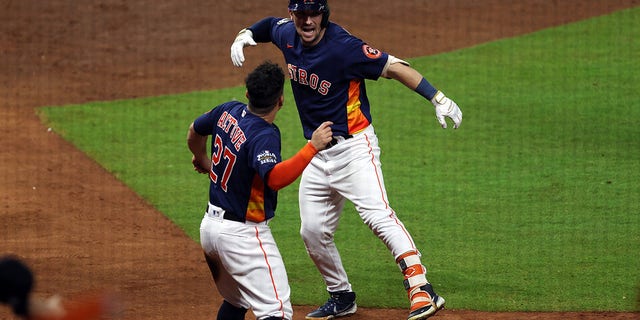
286	172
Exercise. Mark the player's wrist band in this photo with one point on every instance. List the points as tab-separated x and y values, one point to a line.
426	90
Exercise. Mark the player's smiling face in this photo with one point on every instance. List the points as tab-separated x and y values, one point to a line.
308	25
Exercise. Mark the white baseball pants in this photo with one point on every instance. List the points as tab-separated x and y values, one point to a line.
247	266
350	170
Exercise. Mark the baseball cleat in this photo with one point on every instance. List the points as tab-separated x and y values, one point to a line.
340	304
436	303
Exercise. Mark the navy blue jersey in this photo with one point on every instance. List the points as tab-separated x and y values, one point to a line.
244	148
328	79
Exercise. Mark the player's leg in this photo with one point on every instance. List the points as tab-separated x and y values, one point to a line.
361	181
368	193
267	285
320	210
227	311
234	306
424	301
254	262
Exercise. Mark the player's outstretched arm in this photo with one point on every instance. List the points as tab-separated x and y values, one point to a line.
243	39
444	107
287	171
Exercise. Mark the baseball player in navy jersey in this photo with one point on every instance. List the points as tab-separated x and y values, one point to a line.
327	68
246	170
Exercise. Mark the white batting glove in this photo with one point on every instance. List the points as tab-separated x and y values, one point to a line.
243	39
445	107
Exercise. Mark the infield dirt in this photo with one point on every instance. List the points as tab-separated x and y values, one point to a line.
82	229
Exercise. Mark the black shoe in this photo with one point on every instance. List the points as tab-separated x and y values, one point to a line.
340	304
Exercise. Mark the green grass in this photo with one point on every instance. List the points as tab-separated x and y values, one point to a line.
534	204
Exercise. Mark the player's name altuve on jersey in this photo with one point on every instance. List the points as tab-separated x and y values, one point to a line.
226	122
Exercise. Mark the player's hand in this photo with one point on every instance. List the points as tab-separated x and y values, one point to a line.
201	164
322	136
243	39
445	107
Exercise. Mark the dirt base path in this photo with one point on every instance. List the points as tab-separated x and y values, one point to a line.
79	227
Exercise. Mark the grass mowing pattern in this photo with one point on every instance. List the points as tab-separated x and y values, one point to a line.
534	204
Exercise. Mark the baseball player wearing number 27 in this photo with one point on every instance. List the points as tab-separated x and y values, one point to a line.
246	170
327	68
